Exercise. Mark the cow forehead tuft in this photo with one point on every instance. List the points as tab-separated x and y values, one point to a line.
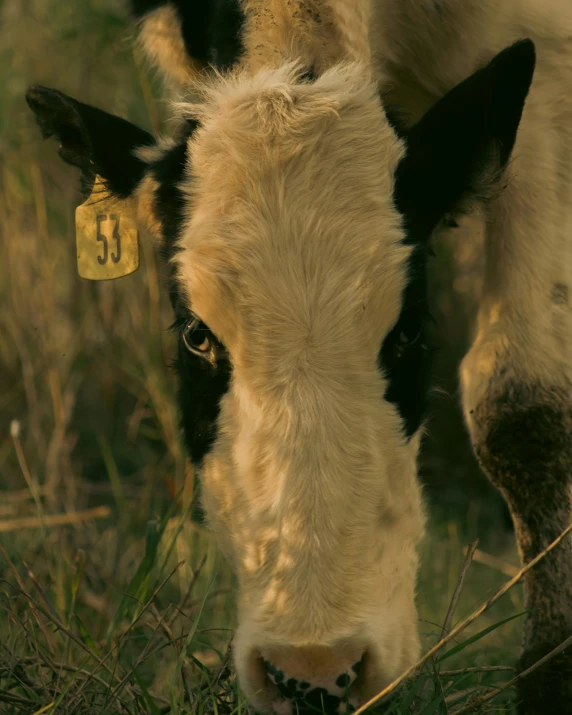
290	197
281	100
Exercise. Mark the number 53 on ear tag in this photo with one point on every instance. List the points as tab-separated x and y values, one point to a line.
107	238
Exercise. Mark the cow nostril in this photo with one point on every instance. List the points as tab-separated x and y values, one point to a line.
331	696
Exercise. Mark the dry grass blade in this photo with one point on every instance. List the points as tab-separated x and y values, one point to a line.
33	486
477	704
447	622
20	495
458	588
463	624
73	517
481	669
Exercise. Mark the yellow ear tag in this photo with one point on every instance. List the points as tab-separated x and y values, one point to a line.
107	238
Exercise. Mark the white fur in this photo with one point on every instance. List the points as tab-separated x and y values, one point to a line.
291	256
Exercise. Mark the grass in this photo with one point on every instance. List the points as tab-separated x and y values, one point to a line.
129	615
113	598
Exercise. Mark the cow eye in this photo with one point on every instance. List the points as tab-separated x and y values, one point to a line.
197	337
404	340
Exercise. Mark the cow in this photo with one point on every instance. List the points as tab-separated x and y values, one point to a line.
321	147
516	378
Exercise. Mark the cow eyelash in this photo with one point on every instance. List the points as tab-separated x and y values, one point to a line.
197	337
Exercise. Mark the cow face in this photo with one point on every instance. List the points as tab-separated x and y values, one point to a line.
295	223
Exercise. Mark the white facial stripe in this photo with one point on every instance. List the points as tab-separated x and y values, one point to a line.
293	257
280	225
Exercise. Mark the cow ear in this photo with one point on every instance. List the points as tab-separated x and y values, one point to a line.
460	148
95	141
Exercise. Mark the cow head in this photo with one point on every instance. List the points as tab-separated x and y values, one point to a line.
296	223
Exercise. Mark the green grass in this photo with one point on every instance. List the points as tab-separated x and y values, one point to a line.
134	616
132	612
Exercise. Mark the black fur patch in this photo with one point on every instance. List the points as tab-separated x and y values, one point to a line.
523	440
201	384
201	388
407	367
211	29
522	436
548	689
448	151
225	33
168	172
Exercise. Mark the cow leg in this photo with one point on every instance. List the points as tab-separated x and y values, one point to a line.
522	436
516	379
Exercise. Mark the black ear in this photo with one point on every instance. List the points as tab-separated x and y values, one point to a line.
464	141
97	142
